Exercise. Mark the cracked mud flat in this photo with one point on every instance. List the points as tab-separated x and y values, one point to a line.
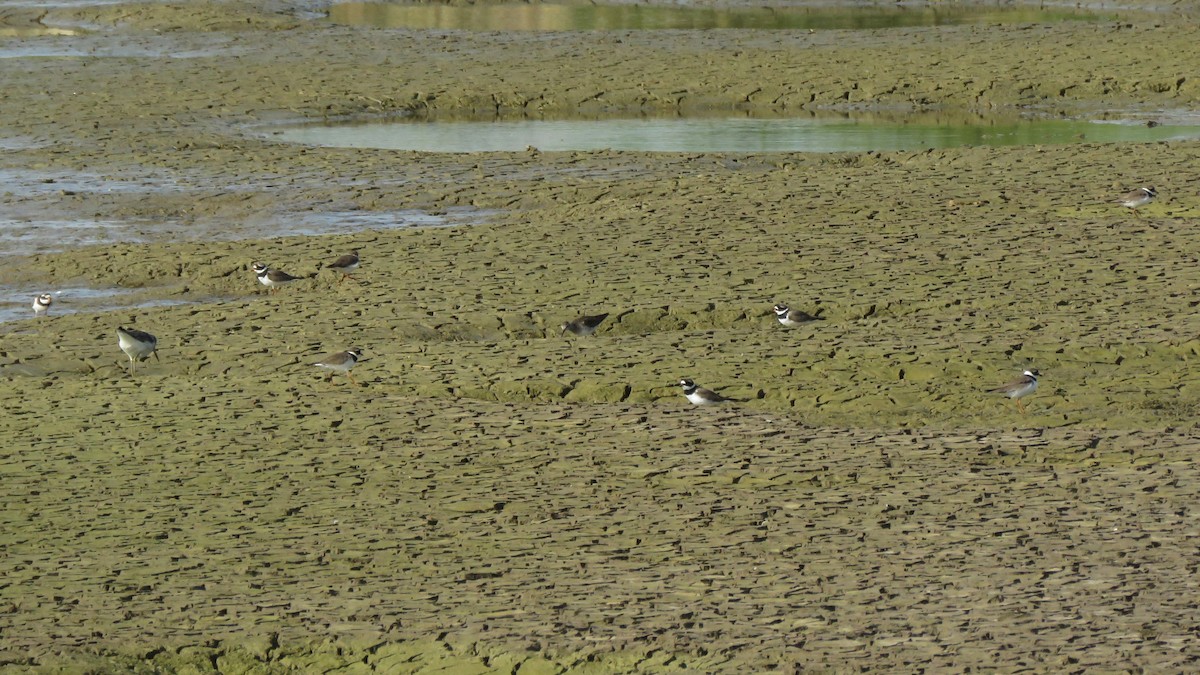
499	498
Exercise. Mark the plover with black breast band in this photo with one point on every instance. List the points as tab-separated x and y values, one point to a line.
41	304
1020	387
1135	199
700	395
272	278
341	362
791	317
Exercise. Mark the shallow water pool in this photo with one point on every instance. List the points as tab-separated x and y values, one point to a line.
570	17
812	134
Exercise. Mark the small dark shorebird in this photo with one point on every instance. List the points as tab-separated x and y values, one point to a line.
138	345
1019	388
700	395
584	325
340	362
345	264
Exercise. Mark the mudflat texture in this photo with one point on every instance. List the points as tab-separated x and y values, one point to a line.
496	497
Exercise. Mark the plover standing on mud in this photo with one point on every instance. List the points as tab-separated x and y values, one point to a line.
138	345
340	362
584	325
700	395
792	318
1019	388
41	304
345	264
272	278
1135	199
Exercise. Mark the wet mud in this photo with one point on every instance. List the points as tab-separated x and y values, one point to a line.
498	497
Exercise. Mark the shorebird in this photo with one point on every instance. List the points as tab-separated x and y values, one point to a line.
1135	199
1019	388
272	278
340	362
700	395
345	264
41	304
138	345
791	317
584	325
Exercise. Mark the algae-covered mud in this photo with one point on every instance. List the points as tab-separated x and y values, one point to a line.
499	497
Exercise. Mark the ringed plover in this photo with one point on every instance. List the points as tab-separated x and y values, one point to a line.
1019	388
791	317
1140	197
584	325
345	264
272	278
138	345
340	362
700	395
41	304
